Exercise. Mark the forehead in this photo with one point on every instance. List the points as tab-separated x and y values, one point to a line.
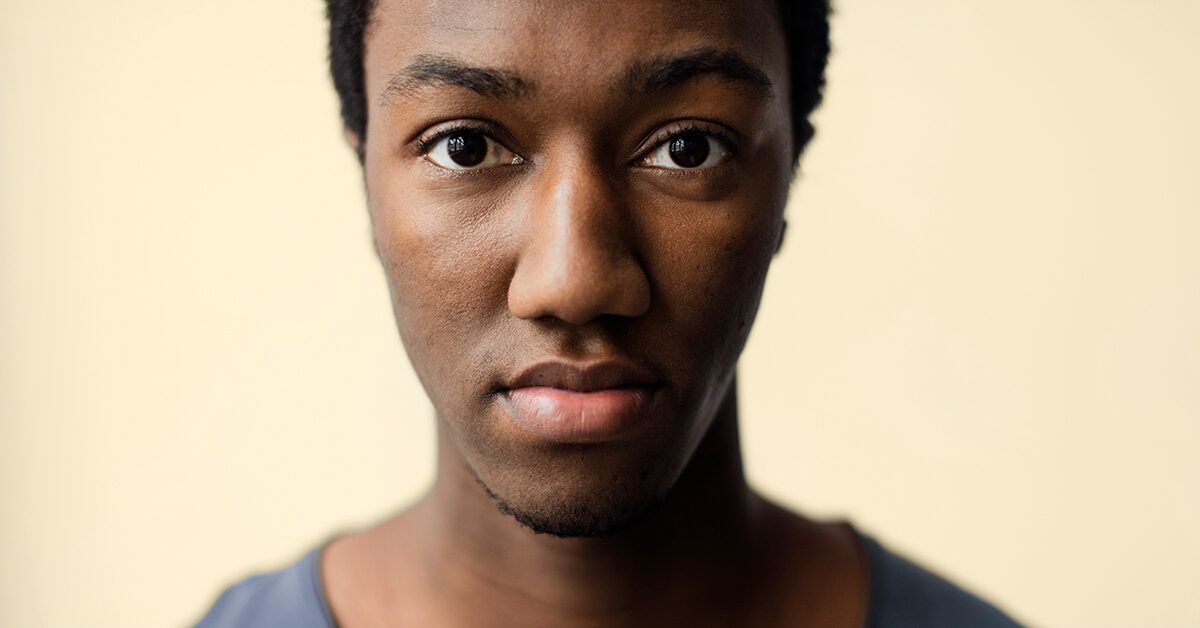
566	46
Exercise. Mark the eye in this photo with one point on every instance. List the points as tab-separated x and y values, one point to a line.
687	150
467	149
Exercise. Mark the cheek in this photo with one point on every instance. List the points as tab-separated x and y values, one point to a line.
444	273
709	272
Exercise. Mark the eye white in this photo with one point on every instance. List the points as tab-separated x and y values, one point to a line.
661	157
495	153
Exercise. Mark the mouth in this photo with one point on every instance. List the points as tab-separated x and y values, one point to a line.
562	402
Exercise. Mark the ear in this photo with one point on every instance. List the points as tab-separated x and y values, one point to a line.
782	231
353	140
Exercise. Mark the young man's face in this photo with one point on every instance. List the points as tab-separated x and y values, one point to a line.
576	181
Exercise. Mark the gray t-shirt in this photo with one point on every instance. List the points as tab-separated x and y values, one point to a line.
902	595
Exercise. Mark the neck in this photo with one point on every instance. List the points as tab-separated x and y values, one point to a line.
694	547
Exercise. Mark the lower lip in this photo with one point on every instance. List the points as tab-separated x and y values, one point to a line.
568	416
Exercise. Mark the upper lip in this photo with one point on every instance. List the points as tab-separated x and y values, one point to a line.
584	377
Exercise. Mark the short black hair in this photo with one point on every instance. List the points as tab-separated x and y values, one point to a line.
805	22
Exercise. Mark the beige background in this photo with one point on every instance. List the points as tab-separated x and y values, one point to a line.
981	341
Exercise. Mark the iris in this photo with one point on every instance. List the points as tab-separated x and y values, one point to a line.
689	150
467	149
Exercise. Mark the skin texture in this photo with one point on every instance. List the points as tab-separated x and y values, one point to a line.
580	246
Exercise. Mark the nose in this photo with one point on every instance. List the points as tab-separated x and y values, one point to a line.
577	258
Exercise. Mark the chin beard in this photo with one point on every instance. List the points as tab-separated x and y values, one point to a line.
590	517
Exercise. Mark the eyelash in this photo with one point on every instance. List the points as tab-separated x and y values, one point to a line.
730	143
425	144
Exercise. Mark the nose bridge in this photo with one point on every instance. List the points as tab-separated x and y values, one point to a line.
577	259
581	218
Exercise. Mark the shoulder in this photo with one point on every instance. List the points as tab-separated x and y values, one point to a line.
903	594
290	597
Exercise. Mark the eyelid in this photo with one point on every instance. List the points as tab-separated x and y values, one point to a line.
429	138
728	139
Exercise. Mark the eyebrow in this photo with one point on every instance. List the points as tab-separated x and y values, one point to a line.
664	72
433	70
641	78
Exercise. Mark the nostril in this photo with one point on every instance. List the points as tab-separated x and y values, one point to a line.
579	292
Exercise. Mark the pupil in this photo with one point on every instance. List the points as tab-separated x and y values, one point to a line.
467	149
689	150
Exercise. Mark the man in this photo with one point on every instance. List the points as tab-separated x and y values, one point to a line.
576	205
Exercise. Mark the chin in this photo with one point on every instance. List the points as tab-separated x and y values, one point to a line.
578	512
